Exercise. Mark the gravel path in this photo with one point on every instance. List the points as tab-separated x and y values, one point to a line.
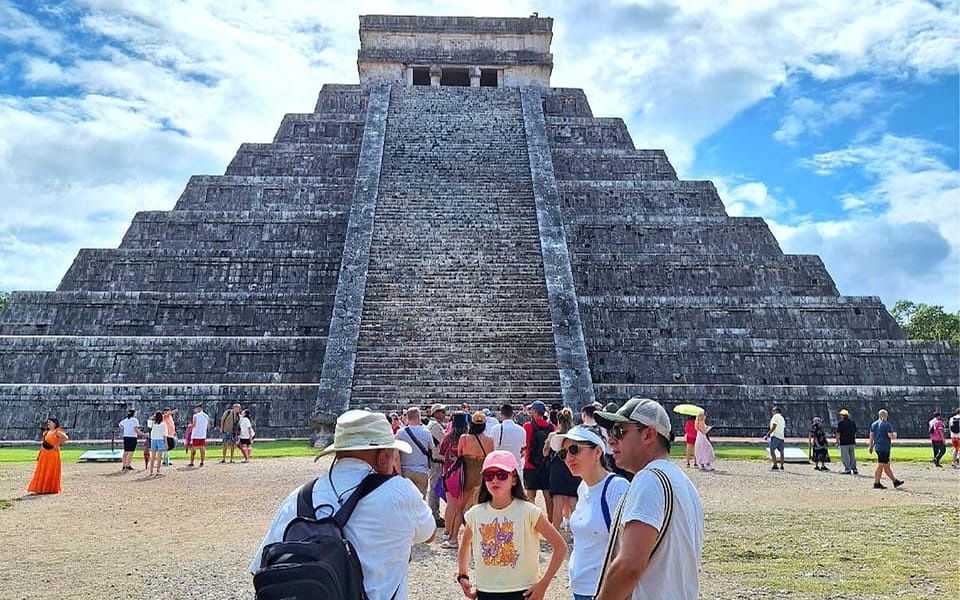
191	533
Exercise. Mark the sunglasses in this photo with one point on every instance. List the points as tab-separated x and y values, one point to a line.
498	475
572	450
618	431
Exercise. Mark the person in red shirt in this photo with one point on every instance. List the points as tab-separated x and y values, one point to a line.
535	466
690	432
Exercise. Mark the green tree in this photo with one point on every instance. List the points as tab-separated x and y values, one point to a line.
4	296
926	322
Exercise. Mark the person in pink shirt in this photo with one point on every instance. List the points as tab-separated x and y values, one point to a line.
935	427
690	433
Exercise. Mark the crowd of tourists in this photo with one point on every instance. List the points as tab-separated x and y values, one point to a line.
160	437
634	518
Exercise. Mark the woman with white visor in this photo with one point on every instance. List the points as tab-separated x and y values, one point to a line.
597	498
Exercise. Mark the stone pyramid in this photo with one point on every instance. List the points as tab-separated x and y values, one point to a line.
453	230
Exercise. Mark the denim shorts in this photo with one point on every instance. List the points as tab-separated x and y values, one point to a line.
158	445
776	444
228	438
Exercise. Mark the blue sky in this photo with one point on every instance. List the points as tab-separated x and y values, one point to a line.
835	121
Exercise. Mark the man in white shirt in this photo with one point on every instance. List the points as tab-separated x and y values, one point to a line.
507	435
201	421
415	466
386	523
656	537
491	421
776	434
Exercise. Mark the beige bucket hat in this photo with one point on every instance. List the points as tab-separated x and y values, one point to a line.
363	430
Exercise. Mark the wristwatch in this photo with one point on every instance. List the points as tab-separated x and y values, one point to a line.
462	576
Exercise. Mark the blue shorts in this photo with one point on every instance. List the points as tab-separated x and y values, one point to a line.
228	438
158	445
775	444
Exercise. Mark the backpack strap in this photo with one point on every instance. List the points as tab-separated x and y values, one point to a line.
305	508
615	534
368	485
416	442
667	508
479	443
604	505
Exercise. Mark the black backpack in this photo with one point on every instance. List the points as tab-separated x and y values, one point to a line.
537	440
315	560
955	425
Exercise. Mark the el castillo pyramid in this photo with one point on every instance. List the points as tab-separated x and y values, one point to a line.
453	229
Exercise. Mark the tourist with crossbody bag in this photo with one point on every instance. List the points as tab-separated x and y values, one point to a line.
656	535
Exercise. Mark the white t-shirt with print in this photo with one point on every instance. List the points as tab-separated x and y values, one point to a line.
510	437
590	533
781	425
383	528
674	571
201	421
130	425
506	546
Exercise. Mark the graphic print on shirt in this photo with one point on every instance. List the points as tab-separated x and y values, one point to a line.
497	543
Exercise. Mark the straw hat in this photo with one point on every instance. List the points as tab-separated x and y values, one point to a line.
362	430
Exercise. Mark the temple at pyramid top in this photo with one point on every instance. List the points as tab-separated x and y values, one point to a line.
455	51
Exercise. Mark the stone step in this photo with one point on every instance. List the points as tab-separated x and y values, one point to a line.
639	197
92	411
345	98
166	314
314	128
237	229
313	160
584	164
242	192
185	270
566	102
761	361
731	236
101	359
656	274
585	132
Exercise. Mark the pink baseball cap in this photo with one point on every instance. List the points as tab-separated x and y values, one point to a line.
500	459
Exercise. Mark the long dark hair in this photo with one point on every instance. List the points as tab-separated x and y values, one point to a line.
458	427
516	490
477	428
158	417
132	412
56	422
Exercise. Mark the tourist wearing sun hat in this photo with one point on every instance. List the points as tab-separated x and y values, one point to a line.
661	502
363	444
474	447
846	440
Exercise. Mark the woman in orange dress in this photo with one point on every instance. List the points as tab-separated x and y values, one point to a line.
46	478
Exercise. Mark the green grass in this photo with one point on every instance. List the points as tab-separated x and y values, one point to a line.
5	503
884	552
288	448
71	453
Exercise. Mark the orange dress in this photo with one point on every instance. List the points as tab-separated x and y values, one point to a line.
46	478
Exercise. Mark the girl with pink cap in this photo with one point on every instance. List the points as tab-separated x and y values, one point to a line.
503	534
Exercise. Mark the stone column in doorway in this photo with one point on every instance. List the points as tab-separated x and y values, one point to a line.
474	76
435	73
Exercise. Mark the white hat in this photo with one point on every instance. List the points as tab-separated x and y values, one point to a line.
362	430
576	434
639	410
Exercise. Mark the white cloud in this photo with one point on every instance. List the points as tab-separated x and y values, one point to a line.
750	198
902	235
808	116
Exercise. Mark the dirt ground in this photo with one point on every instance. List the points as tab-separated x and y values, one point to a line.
192	532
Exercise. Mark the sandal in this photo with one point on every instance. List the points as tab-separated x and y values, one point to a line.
448	545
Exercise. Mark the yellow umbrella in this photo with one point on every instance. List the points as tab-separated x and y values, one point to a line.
691	410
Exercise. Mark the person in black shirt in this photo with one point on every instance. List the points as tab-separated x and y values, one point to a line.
847	442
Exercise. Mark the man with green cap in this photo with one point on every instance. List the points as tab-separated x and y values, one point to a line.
656	538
